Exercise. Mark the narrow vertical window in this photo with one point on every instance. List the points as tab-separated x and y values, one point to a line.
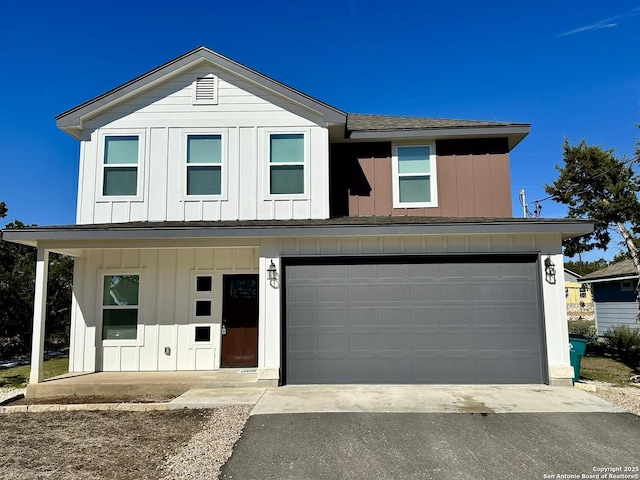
286	163
120	166
120	298
204	165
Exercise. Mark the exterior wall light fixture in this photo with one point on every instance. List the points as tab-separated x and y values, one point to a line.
272	272
549	270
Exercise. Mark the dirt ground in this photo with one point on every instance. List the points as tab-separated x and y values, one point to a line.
97	445
89	399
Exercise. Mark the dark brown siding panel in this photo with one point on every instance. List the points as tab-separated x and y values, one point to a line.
383	198
473	181
500	185
447	186
481	173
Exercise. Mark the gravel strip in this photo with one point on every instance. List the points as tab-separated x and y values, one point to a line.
9	392
625	397
208	450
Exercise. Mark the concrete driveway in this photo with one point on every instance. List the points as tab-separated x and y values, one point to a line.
436	446
426	432
399	398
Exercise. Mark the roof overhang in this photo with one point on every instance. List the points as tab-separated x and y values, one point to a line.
514	134
610	279
72	121
74	238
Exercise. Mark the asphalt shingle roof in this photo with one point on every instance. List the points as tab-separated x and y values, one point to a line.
624	268
359	122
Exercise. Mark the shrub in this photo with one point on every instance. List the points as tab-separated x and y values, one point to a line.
585	328
623	338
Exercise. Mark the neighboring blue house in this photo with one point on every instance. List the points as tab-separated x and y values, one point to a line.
614	295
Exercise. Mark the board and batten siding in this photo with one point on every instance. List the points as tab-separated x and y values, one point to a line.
166	307
468	186
245	115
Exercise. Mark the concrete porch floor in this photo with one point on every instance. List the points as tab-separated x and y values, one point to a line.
132	384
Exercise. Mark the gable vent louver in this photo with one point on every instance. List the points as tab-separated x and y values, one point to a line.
206	90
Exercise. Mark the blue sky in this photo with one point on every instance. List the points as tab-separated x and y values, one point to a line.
571	69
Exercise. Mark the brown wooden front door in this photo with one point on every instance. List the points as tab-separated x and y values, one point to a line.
240	321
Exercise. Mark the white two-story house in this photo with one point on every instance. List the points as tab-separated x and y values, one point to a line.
227	220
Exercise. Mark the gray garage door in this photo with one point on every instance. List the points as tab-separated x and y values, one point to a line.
427	320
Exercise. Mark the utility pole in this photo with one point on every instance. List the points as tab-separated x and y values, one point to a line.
523	202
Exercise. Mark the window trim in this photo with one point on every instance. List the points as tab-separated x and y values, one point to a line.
100	172
306	136
432	175
139	340
224	156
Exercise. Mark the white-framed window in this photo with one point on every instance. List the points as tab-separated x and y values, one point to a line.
202	307
583	291
204	165
287	152
120	165
205	90
120	306
414	176
626	286
566	292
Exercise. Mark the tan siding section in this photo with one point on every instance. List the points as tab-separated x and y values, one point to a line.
468	186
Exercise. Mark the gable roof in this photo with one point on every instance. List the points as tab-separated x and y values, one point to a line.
72	120
617	271
357	126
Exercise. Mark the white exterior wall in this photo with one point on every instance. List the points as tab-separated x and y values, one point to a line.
166	296
166	304
162	117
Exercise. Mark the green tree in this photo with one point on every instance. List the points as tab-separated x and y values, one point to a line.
583	268
17	282
597	185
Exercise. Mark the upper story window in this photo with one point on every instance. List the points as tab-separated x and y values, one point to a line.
204	165
583	291
414	176
286	163
121	158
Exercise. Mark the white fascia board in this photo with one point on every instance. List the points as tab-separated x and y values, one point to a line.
515	134
77	238
610	279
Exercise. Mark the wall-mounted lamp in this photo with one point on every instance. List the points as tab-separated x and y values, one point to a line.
549	270
272	272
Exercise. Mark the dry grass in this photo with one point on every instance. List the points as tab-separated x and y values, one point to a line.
17	377
605	370
97	445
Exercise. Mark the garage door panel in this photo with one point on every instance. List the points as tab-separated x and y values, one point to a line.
430	322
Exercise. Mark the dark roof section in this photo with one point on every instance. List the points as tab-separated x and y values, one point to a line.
344	226
624	268
379	127
358	122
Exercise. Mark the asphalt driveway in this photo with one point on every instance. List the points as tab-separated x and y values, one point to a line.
472	446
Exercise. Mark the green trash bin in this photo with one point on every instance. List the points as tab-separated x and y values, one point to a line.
577	347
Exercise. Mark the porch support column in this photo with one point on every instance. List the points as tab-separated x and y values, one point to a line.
39	316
